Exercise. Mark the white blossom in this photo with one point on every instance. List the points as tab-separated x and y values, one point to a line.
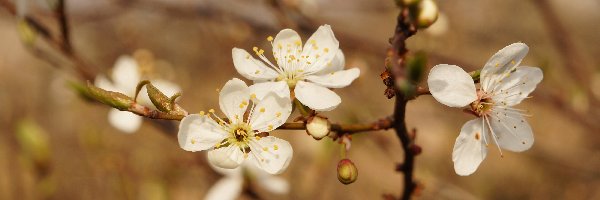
308	71
231	185
231	141
504	84
125	78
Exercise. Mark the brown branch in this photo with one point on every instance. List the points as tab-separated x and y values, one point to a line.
63	46
64	25
404	29
381	124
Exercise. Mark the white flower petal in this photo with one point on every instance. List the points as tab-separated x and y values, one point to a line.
316	97
338	79
286	45
501	63
469	148
103	82
225	189
251	68
270	112
231	173
231	97
274	184
268	181
124	121
451	85
228	157
126	73
197	133
337	63
517	86
281	88
512	131
272	154
320	49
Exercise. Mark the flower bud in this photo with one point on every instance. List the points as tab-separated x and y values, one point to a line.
347	172
113	99
428	13
318	127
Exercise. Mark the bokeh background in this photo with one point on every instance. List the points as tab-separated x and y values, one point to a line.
55	145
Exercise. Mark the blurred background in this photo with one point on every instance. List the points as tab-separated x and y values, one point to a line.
56	145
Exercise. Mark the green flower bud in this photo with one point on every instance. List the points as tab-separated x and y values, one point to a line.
318	127
347	172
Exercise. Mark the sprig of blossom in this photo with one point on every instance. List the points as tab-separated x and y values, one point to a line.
301	72
241	135
125	77
504	84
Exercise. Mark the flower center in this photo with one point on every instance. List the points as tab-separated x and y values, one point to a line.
483	105
291	77
240	134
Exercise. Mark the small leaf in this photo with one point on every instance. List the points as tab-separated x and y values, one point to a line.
159	99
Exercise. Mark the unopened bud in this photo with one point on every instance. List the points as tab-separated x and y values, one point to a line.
113	99
428	13
347	172
318	127
415	149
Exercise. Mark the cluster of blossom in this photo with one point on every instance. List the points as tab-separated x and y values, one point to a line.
304	73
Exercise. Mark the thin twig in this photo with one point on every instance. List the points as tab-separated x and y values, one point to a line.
404	30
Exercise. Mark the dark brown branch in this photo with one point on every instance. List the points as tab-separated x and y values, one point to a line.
64	26
404	30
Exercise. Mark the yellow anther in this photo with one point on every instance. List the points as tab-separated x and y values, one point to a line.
245	155
275	147
308	62
193	141
278	114
217	145
262	110
497	64
257	137
512	62
236	117
300	70
255	49
241	105
211	110
270	127
265	149
279	46
257	72
298	42
270	38
247	56
245	102
312	41
329	64
253	96
260	52
201	113
326	50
